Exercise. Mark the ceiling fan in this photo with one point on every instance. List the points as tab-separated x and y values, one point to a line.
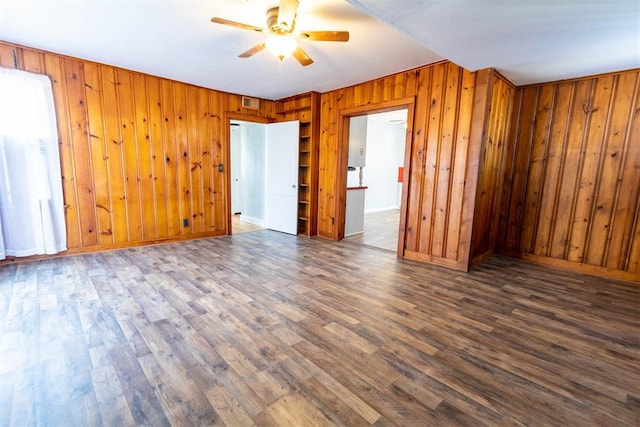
282	35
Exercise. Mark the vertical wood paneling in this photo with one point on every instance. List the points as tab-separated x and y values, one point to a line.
459	172
441	186
576	144
489	193
99	156
171	160
74	76
417	162
138	153
219	154
524	131
6	55
612	159
627	209
429	183
182	156
206	165
130	155
115	163
54	65
32	61
445	161
597	120
535	187
195	161
145	158
571	166
554	162
158	150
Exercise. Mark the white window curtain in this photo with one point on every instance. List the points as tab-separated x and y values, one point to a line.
31	202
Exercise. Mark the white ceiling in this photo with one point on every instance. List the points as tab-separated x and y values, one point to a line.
527	40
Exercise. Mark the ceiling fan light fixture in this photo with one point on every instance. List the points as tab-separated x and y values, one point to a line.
280	45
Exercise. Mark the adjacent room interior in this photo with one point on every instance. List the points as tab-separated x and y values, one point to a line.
320	212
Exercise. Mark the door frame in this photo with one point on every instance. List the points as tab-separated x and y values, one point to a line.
228	117
344	116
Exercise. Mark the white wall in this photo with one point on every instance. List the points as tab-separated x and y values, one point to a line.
385	153
253	175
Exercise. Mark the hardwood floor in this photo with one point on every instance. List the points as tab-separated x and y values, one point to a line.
270	329
238	226
380	230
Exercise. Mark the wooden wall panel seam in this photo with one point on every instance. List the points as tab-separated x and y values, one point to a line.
599	171
69	147
580	167
505	101
635	226
633	112
79	137
618	181
543	173
563	156
451	160
523	194
431	181
511	163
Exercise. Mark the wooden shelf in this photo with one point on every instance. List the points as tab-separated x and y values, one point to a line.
306	109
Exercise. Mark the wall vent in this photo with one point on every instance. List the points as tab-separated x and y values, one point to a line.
250	103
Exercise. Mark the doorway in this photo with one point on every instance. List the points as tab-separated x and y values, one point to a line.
377	143
263	176
248	171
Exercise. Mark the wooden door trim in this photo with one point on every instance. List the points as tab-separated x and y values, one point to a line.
343	148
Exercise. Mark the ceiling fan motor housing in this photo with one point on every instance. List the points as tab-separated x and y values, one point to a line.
277	27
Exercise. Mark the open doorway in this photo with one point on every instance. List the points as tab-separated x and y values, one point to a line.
263	176
375	178
248	171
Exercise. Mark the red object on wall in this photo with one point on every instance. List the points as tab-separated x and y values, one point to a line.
400	173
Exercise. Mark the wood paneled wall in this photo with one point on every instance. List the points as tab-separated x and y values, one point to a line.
450	104
332	166
139	153
573	175
490	183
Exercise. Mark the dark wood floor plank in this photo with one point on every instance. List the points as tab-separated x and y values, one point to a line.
269	329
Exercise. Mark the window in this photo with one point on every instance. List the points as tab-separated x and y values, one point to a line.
31	201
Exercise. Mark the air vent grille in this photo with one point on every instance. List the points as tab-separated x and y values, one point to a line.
250	103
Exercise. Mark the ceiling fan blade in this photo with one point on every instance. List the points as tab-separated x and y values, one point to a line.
257	48
236	24
302	57
327	36
287	12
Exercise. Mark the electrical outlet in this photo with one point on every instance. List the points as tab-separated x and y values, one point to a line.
185	222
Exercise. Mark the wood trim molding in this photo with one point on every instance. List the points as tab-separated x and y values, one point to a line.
574	266
343	147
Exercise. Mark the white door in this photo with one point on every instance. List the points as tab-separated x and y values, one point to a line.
282	177
236	170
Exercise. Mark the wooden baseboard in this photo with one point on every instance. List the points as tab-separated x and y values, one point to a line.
417	256
479	259
575	266
113	246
